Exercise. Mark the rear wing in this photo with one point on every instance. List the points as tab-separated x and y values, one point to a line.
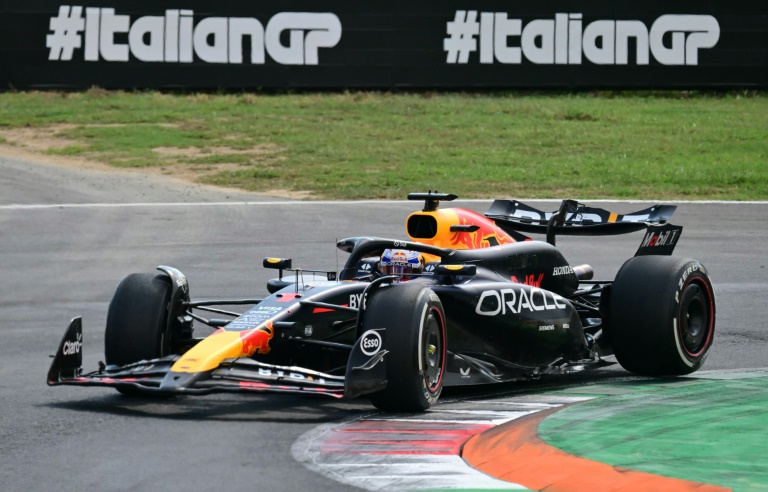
576	219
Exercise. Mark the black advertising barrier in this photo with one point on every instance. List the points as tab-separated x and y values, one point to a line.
335	44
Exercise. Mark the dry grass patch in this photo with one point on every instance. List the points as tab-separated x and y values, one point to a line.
35	143
38	139
193	152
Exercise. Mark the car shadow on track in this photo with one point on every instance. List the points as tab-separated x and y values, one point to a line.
225	408
307	409
610	374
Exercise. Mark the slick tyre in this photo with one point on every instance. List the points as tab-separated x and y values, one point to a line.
137	319
662	315
416	343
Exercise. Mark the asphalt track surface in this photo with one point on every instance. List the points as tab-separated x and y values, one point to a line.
67	237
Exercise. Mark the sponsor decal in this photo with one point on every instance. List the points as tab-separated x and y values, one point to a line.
484	237
308	331
429	269
273	260
464	373
399	257
547	328
562	270
370	342
659	240
72	347
684	277
357	301
531	280
665	238
500	302
268	309
289	38
277	374
399	263
257	340
254	317
569	40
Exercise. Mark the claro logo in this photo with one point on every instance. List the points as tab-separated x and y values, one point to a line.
567	39
290	38
72	347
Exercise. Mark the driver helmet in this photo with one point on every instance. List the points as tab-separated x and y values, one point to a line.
401	262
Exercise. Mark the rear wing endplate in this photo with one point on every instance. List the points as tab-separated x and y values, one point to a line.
660	240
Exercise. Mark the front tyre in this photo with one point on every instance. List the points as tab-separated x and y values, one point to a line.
662	315
416	342
137	320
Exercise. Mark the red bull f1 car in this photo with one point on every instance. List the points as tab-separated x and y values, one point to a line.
467	299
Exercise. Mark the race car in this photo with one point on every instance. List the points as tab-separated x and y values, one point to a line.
467	299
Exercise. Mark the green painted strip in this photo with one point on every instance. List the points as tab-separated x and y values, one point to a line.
706	430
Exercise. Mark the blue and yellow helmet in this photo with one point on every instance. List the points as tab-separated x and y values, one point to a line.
401	262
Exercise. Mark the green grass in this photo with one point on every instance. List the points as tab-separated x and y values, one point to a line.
374	145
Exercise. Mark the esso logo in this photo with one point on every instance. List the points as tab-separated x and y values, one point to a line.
370	342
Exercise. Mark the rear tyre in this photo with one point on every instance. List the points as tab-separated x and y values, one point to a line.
415	338
662	315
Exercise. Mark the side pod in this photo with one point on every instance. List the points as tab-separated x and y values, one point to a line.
68	361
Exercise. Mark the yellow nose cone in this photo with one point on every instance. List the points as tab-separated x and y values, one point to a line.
221	345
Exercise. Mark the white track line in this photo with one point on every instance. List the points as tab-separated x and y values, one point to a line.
342	202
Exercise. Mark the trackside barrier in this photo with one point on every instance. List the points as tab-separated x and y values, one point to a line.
420	44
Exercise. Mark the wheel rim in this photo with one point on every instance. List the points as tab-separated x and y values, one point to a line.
433	355
695	319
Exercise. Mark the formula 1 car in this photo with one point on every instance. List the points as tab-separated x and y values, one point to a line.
488	305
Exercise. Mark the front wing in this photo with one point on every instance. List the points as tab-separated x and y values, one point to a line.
233	375
364	374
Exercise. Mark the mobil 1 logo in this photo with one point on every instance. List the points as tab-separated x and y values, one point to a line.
660	240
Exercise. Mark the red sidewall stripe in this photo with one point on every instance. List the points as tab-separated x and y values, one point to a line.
711	321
